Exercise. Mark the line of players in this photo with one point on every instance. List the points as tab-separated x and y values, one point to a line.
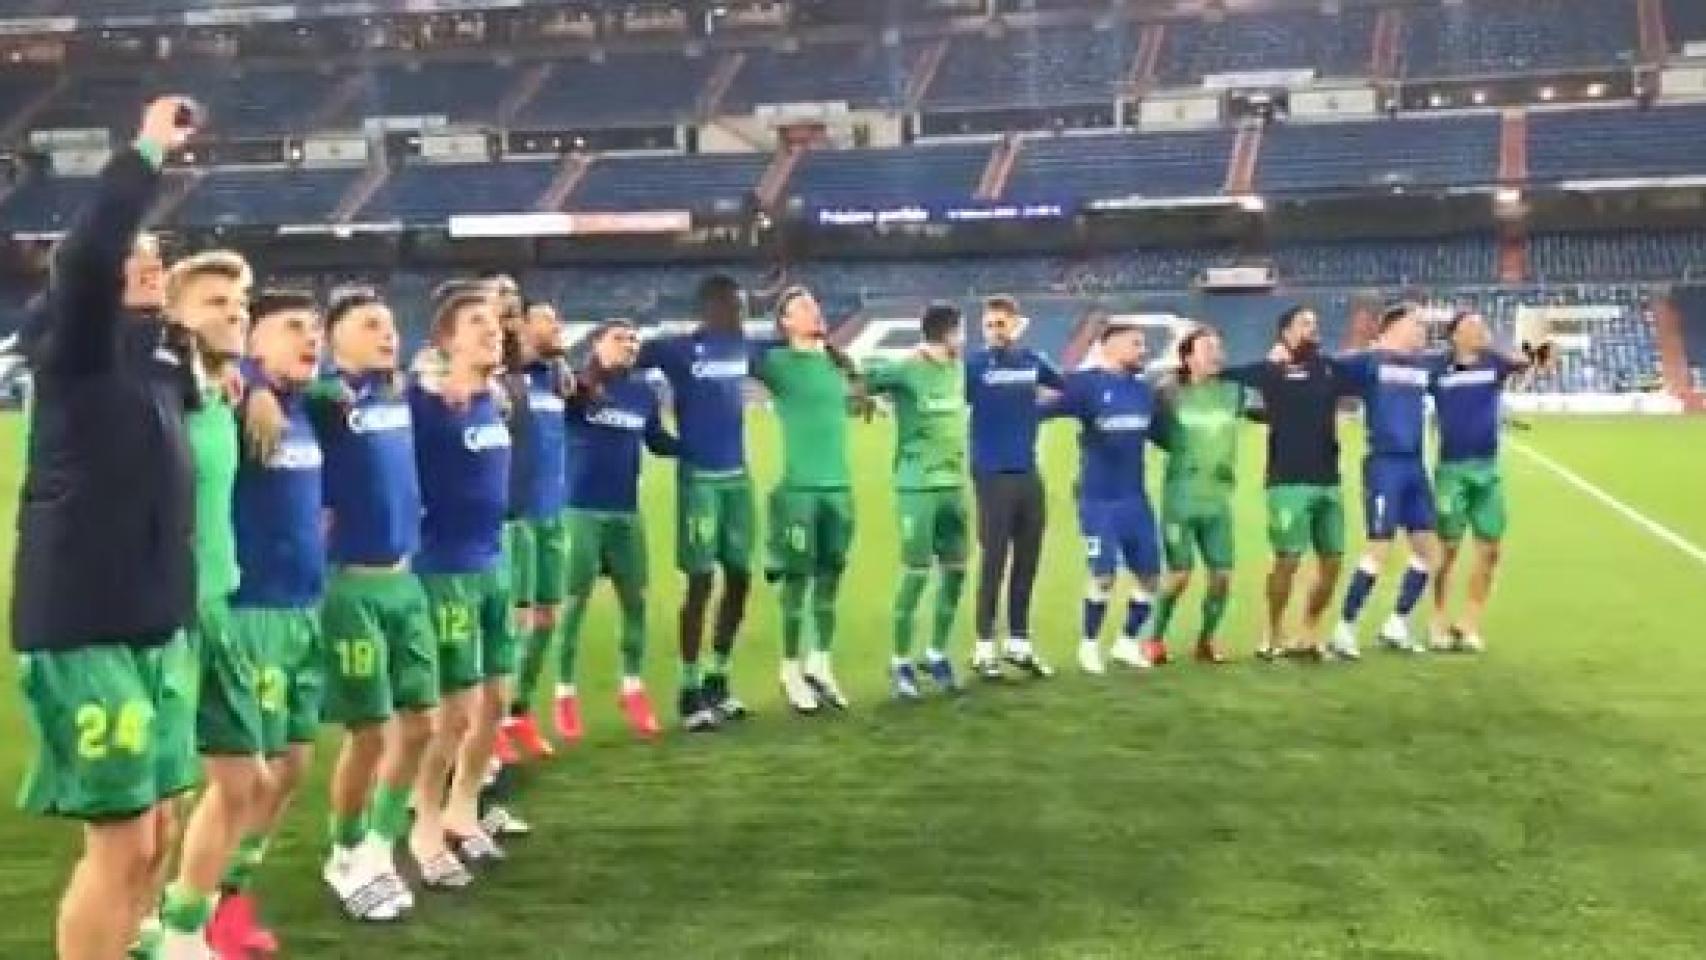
357	541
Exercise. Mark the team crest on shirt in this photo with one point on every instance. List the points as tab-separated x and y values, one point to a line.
383	418
486	436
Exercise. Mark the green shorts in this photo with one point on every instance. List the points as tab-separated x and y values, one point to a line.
1471	496
114	726
228	710
810	531
290	660
1303	516
1185	534
714	521
470	617
538	554
380	652
934	526
605	543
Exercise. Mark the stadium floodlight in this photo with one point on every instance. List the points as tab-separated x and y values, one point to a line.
1548	93
1596	89
1479	96
1252	203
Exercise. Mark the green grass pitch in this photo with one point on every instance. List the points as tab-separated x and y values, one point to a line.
1544	800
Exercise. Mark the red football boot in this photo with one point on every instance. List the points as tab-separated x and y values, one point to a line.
568	717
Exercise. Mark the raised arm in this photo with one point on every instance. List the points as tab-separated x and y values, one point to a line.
77	325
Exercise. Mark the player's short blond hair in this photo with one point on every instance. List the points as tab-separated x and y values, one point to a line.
217	263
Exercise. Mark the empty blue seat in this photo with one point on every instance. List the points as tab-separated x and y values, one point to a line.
1615	142
1517	35
266	197
1331	44
432	192
669	183
887	178
1310	157
1044	67
862	75
656	87
1146	164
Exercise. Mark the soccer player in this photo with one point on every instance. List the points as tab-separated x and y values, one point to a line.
107	505
612	413
811	509
538	532
274	612
1001	386
382	667
1393	380
462	457
707	371
928	390
1469	489
1305	505
207	296
1198	420
1114	407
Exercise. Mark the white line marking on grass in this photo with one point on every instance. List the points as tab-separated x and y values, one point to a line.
1629	513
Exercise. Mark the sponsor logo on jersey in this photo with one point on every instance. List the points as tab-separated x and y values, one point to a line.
486	436
296	455
1123	422
1005	377
381	418
943	405
1402	376
544	401
619	419
719	369
1469	378
1205	419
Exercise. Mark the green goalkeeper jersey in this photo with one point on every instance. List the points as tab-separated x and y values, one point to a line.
213	449
930	413
811	395
1197	424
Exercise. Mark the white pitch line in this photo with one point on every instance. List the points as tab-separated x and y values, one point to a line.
1629	513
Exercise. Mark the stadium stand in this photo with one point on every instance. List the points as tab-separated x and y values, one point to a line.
246	103
673	182
884	178
432	192
1330	44
862	75
1687	21
45	203
1149	164
269	196
1466	259
1691	303
1615	142
1044	67
459	92
652	87
1405	152
1516	35
1627	254
1608	342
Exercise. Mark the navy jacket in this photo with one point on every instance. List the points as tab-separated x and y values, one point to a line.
104	520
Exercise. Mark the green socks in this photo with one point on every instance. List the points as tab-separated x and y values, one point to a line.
185	910
1165	604
574	614
825	592
690	675
1214	604
948	592
721	661
633	636
910	592
389	818
347	832
793	614
250	852
529	665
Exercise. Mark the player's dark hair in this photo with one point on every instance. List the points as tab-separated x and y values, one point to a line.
787	297
1456	321
447	310
719	300
275	301
1395	313
1002	303
346	300
1288	318
1188	342
940	319
1111	330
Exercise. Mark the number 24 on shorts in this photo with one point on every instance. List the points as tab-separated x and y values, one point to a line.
100	733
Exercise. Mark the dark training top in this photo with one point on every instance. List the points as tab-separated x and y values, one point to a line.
105	519
1301	400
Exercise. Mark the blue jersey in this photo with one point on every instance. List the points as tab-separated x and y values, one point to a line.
1114	411
707	372
1001	387
463	460
1394	390
281	544
539	485
605	436
1466	402
368	438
